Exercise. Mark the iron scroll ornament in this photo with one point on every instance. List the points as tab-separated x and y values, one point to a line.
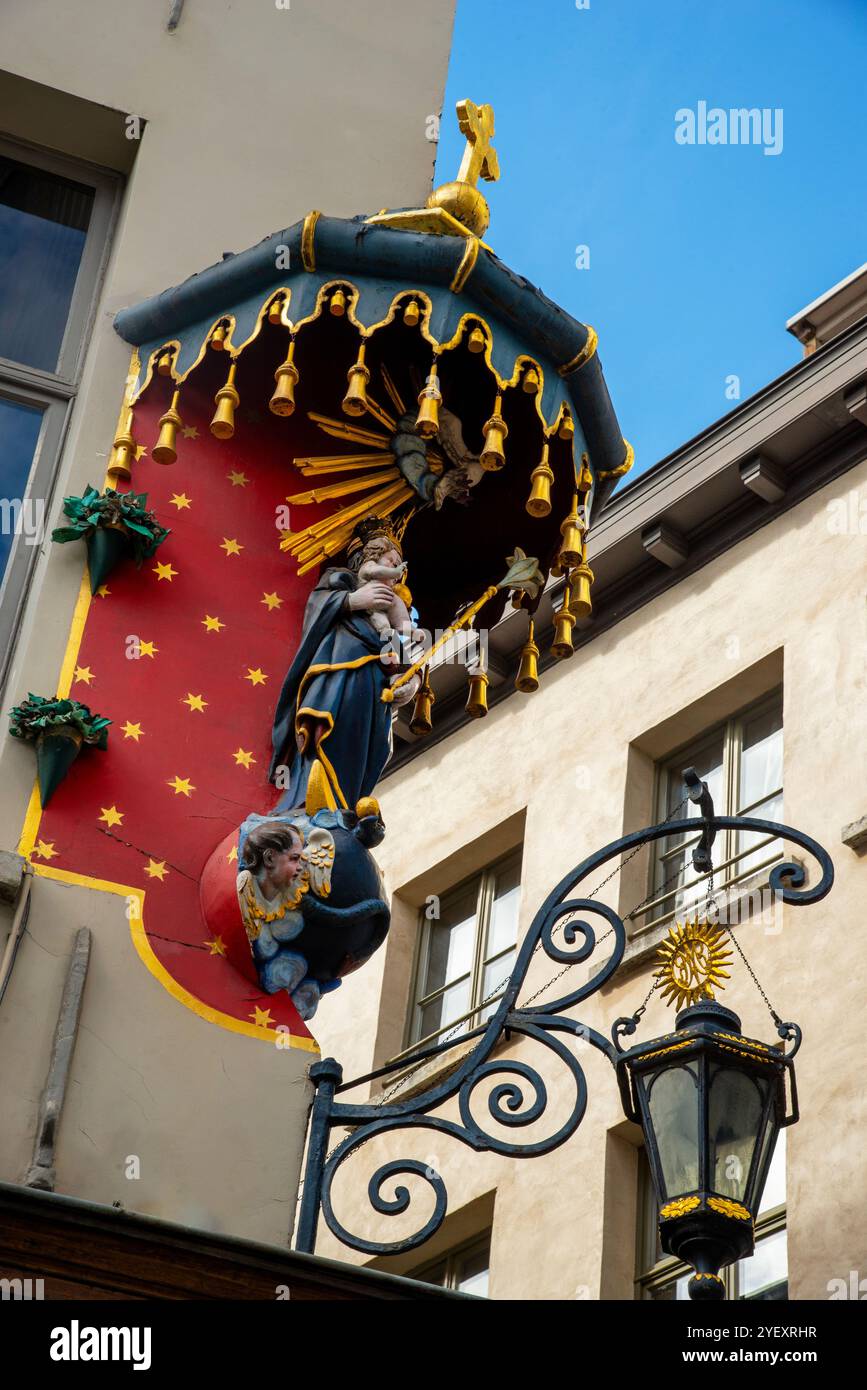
509	1103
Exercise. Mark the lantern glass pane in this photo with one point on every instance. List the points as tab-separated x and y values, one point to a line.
673	1105
737	1101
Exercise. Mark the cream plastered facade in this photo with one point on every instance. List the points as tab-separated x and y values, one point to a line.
565	771
250	116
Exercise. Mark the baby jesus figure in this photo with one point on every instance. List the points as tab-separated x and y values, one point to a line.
394	620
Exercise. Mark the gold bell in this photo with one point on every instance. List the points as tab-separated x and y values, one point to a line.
164	364
218	338
567	427
275	310
531	382
585	479
493	455
477	342
572	531
542	476
421	721
227	401
283	400
164	450
527	679
477	695
411	314
355	400
564	621
428	420
337	304
123	449
580	580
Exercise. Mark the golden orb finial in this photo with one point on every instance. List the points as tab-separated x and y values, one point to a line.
461	198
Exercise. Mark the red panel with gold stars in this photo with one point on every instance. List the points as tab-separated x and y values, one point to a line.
186	656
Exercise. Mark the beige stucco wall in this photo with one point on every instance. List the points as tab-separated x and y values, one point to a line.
253	116
561	756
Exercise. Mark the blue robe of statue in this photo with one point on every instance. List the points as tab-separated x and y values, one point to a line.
336	677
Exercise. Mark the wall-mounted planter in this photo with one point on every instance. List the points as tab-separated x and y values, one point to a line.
58	729
106	547
114	525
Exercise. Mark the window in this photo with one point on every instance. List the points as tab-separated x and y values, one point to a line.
764	1275
55	219
465	1269
467	953
742	763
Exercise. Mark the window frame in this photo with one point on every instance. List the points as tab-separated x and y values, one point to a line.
454	1261
486	884
726	853
54	392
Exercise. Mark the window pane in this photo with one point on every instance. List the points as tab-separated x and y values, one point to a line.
495	977
503	927
667	1293
444	1009
452	941
765	1273
675	873
761	757
19	432
43	228
775	1188
473	1273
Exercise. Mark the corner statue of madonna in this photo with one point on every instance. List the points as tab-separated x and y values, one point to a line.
330	711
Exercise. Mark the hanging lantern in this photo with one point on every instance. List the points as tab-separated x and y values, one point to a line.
477	695
355	400
572	547
542	476
564	621
411	314
420	722
164	451
493	455
283	400
430	398
337	304
164	364
580	581
527	679
531	381
218	338
123	449
566	428
477	342
275	310
227	401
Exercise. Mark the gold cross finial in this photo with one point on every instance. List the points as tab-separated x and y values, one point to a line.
480	157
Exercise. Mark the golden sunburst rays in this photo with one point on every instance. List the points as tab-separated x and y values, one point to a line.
374	474
693	960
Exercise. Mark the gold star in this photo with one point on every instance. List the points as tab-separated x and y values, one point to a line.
243	759
133	731
271	601
238	479
45	849
103	591
217	946
83	673
190	432
164	571
231	547
147	649
156	869
181	785
112	816
181	501
233	854
261	1017
212	624
256	677
140	452
195	702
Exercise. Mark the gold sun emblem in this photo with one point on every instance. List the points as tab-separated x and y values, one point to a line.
693	961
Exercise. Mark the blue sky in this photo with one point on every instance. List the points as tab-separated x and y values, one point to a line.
698	253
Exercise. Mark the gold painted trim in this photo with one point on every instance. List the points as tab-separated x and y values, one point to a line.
466	265
622	468
308	234
680	1206
725	1207
584	355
